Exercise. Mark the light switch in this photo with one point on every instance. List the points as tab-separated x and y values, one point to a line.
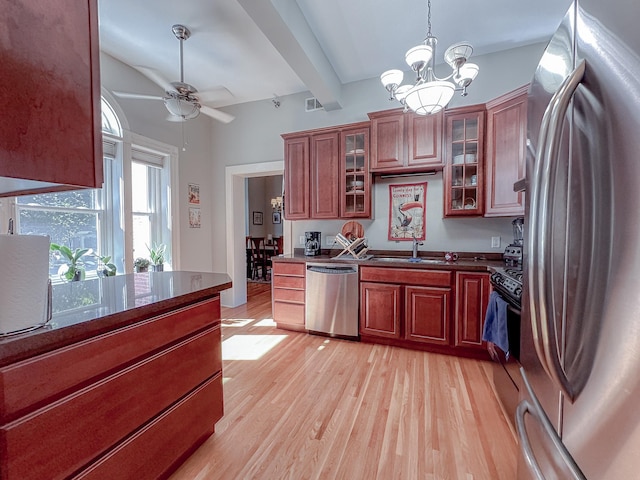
495	242
301	239
330	239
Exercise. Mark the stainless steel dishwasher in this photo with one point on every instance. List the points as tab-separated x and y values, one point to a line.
331	300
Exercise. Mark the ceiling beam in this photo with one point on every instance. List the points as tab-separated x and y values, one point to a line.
286	28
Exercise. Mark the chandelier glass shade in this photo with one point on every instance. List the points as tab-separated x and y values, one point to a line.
430	94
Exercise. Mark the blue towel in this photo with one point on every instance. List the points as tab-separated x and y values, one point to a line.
495	323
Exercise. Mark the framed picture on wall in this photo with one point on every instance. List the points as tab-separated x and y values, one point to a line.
257	218
194	194
276	218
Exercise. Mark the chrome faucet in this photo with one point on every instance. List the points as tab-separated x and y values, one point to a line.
414	253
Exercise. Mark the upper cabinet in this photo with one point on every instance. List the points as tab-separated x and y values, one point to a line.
506	153
355	179
326	173
405	142
50	128
325	166
463	178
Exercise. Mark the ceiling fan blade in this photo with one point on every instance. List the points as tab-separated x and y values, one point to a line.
156	77
214	94
217	114
138	96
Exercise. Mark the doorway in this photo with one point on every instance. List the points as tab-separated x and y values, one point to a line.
236	201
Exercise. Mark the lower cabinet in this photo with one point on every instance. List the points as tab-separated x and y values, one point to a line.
434	310
472	297
129	403
380	309
288	291
428	315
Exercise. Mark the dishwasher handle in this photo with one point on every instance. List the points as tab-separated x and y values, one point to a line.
332	270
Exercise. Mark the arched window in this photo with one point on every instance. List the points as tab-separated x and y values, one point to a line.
110	122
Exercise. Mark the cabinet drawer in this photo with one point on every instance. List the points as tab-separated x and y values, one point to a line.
100	415
286	268
433	278
288	282
150	452
288	313
28	384
287	295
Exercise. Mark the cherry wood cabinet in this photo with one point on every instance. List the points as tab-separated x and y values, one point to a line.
472	297
145	394
355	179
405	142
408	305
50	127
380	309
506	153
325	169
463	178
326	173
288	292
428	315
296	177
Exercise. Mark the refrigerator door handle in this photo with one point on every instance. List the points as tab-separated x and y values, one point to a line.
543	323
534	408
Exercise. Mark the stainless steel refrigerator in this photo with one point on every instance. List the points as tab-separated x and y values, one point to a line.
579	414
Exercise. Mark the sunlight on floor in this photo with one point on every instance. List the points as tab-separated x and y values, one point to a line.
267	322
249	347
236	322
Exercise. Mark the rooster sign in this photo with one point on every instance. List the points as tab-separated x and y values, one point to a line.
407	211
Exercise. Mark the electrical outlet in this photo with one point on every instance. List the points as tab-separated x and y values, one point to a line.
301	239
495	242
330	240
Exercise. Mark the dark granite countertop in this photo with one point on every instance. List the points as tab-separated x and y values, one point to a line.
482	262
85	309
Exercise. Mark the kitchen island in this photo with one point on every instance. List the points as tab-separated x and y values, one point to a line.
124	382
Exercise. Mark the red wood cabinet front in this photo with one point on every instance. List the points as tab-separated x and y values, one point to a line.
472	296
50	127
380	309
428	315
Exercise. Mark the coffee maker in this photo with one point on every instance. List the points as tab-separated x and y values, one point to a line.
513	253
312	243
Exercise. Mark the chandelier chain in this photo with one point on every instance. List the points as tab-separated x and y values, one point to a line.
429	18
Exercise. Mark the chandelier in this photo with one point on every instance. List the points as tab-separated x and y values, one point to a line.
276	204
431	94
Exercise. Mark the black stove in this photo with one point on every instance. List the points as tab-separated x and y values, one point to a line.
508	283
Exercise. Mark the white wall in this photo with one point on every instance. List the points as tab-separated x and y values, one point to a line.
254	136
148	118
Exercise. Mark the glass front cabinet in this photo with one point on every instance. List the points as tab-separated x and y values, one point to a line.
355	177
463	179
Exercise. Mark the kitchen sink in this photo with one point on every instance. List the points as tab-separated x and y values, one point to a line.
408	260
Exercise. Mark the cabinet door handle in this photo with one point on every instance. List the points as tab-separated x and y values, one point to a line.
534	408
542	319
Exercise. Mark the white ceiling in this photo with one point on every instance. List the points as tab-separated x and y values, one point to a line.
260	48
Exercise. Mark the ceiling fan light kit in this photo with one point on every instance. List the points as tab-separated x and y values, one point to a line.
430	94
180	99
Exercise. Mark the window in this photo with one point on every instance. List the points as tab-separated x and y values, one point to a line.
69	218
97	218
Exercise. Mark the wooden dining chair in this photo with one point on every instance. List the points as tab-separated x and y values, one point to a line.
258	258
279	245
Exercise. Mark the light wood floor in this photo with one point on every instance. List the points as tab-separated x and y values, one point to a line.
318	408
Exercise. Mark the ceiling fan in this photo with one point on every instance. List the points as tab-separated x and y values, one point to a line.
183	101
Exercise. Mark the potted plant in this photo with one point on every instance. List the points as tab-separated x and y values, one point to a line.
105	267
73	269
141	264
156	252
